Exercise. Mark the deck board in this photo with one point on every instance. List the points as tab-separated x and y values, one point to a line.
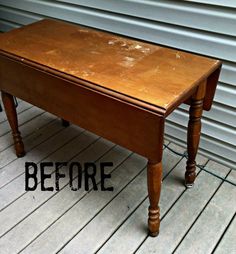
182	215
22	106
88	240
132	233
39	153
83	211
32	141
26	129
12	176
26	116
30	201
228	244
107	222
211	224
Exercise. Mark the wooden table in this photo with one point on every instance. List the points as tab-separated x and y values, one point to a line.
119	88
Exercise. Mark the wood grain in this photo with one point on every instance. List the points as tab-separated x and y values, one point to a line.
154	176
137	129
10	110
139	70
194	132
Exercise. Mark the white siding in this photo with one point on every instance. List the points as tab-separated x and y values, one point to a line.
208	29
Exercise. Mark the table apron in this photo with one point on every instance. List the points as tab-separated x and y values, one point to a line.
125	124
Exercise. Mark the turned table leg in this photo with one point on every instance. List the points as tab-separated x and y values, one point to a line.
194	132
154	177
9	105
65	123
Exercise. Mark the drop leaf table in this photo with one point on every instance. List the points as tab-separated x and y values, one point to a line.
119	88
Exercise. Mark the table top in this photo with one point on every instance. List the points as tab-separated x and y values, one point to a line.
146	72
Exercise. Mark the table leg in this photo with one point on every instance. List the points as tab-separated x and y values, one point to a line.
194	132
65	123
154	176
9	105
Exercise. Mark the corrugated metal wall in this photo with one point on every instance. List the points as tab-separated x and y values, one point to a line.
208	29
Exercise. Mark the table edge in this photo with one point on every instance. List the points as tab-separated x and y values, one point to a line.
112	93
85	83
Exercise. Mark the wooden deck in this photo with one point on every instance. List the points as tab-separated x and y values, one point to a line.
199	220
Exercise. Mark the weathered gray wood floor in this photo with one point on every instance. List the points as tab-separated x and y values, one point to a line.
200	220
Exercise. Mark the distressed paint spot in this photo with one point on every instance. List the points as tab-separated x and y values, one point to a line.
143	89
157	69
87	73
84	74
129	58
177	55
128	61
111	42
74	72
145	50
95	52
166	105
138	48
51	52
83	30
129	46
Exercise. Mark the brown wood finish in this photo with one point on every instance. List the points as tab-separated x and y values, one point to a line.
119	88
194	132
139	70
154	176
125	124
210	90
10	110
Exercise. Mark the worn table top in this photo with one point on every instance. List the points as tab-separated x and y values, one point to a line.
155	75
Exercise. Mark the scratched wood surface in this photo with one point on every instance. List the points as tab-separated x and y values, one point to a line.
139	70
201	219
